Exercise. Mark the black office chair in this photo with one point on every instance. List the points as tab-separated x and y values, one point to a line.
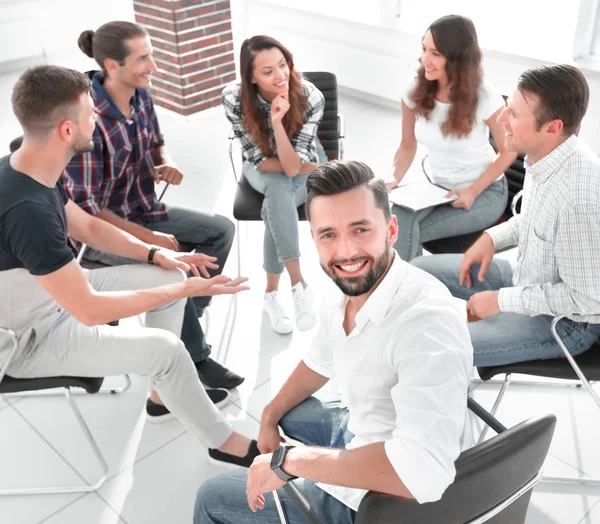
584	368
493	481
9	385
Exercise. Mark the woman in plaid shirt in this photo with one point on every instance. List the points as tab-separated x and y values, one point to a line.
275	114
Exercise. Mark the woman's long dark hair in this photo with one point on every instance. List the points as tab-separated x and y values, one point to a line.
255	120
456	39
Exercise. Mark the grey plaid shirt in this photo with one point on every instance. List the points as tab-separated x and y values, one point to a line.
558	237
303	141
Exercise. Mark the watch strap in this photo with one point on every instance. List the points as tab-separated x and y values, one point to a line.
277	463
151	254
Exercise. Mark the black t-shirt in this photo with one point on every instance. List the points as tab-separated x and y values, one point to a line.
33	223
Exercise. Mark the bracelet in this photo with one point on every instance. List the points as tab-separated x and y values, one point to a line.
151	254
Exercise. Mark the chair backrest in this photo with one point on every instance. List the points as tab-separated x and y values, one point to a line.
515	176
328	131
15	144
487	476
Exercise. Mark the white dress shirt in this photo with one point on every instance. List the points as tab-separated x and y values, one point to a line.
558	235
403	374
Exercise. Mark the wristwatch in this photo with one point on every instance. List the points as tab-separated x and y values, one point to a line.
151	254
277	462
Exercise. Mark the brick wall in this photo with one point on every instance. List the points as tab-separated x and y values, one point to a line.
193	49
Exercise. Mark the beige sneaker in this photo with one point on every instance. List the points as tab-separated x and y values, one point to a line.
306	317
280	322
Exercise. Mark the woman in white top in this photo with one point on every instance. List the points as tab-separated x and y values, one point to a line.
451	110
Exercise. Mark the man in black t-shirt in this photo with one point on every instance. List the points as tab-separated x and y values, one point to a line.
59	311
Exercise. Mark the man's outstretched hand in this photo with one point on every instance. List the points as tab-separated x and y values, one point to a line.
219	285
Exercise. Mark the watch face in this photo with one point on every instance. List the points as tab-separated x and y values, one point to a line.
278	457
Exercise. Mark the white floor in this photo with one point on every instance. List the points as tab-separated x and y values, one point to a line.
156	469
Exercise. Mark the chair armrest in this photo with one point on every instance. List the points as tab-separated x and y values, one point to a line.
515	201
15	345
81	253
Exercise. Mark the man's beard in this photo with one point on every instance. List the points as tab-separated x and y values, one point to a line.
359	285
83	146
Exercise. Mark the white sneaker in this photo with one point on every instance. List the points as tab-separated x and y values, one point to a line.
280	322
306	317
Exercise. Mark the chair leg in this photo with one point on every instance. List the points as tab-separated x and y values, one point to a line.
225	342
280	511
239	249
496	405
571	360
206	316
69	489
558	383
593	482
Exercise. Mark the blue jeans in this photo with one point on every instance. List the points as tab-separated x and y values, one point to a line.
507	337
316	421
279	212
210	234
433	223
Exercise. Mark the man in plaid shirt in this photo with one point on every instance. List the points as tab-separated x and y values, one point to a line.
116	181
557	233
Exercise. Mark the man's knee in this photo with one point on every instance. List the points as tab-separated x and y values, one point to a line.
166	351
300	416
164	277
228	230
438	265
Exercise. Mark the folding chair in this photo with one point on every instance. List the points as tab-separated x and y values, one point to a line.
9	385
583	369
493	482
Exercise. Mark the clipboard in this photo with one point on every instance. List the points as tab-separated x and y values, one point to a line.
420	195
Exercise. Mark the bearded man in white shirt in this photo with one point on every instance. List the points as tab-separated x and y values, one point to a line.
398	345
557	233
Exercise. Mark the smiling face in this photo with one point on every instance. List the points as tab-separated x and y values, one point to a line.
432	60
521	132
138	67
353	239
271	73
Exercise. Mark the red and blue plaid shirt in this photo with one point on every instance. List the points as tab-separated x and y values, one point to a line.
117	174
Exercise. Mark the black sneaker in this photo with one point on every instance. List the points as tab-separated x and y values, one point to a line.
214	375
159	413
220	458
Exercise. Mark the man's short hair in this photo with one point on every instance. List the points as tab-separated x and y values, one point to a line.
339	176
563	94
46	95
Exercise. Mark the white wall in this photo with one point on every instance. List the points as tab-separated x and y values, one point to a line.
377	60
46	31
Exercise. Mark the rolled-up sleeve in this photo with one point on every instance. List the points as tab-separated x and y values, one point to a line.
304	140
430	400
83	178
506	234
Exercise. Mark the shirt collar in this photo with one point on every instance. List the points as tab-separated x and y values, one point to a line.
105	106
546	166
377	305
263	103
